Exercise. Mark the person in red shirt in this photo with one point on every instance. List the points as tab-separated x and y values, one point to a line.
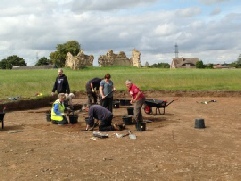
137	99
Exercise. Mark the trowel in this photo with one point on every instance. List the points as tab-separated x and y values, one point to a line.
132	136
118	135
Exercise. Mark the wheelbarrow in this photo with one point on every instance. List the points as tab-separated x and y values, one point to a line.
149	103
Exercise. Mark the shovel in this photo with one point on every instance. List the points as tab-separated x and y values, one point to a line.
108	94
132	136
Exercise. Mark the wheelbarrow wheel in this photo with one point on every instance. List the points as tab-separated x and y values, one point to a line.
148	109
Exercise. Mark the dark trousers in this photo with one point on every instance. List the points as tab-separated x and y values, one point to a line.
64	121
105	125
137	110
107	103
92	96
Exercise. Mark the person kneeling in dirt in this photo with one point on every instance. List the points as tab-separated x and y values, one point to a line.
103	116
57	110
68	103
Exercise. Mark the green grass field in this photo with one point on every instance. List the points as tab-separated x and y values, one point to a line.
26	83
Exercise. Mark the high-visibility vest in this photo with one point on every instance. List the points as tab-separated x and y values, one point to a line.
61	109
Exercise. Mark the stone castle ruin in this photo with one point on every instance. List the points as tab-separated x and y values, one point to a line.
136	58
81	60
114	59
120	59
110	59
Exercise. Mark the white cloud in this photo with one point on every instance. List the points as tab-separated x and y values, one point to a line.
165	29
153	27
208	2
188	12
107	5
215	11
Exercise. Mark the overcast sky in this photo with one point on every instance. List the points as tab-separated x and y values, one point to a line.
207	29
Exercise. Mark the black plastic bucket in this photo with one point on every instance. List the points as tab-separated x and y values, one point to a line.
116	104
130	110
48	117
127	102
127	120
73	119
122	102
141	126
199	123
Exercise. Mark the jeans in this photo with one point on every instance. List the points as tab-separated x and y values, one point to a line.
105	125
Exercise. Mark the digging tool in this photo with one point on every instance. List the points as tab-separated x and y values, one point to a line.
132	136
108	94
125	135
118	135
95	125
100	135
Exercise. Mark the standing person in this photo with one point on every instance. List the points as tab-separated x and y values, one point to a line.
106	92
57	111
137	99
61	83
103	116
91	88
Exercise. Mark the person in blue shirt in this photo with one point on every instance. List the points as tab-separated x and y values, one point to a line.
106	92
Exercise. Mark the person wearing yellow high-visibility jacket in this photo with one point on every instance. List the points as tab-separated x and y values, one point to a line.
57	110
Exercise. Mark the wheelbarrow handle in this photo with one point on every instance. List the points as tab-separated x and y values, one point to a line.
170	102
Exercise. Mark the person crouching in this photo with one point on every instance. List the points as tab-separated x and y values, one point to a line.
57	110
103	116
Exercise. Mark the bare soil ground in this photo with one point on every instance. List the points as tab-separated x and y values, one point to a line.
170	149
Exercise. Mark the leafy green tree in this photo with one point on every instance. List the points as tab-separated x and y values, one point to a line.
200	64
9	62
4	64
209	66
239	59
59	56
161	65
43	61
237	63
55	59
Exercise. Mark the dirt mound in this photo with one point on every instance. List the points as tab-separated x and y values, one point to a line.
23	104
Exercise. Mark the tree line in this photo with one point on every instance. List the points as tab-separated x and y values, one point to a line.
58	58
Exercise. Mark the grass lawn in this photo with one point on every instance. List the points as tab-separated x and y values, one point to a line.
26	83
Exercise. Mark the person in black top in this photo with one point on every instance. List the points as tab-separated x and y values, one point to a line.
91	88
61	83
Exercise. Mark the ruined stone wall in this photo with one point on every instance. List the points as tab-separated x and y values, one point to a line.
136	58
120	59
81	60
